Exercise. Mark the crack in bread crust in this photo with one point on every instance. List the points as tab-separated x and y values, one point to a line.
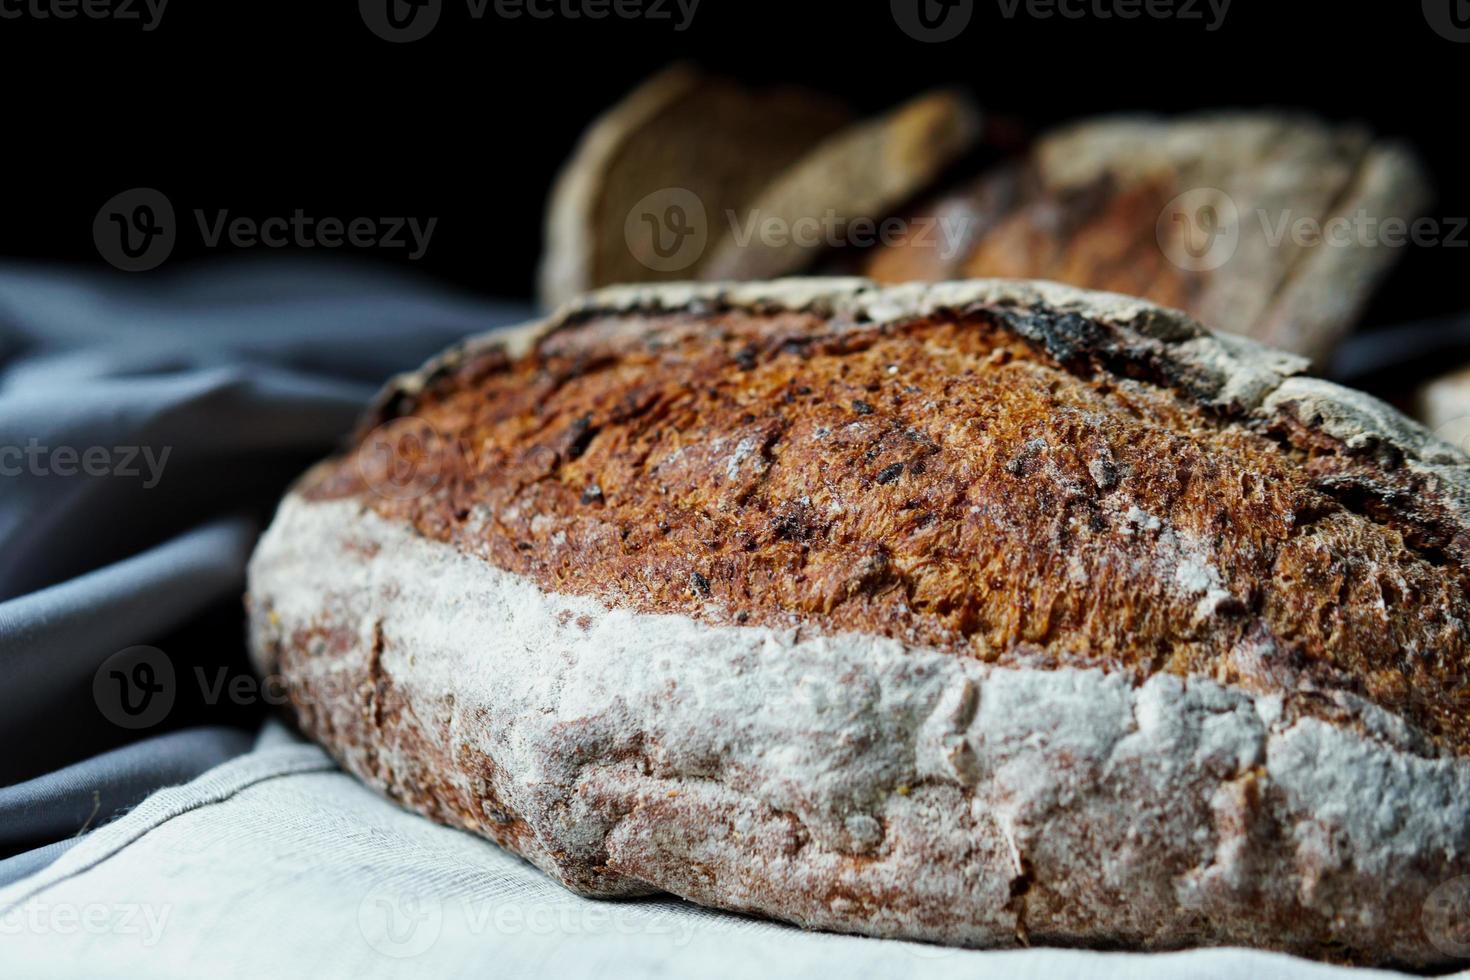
1025	485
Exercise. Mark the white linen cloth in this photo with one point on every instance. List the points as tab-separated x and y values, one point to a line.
277	864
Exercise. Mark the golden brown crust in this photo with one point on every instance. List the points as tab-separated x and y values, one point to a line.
1020	488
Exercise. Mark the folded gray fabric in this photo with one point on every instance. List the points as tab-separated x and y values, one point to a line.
27	863
53	641
148	424
60	806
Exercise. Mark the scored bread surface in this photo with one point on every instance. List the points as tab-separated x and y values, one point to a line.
983	613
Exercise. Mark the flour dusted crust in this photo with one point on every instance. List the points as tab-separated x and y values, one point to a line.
865	783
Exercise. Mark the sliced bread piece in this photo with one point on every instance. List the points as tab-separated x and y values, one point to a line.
684	141
861	174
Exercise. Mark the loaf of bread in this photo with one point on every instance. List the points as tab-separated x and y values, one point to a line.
1267	224
860	174
983	613
682	149
693	176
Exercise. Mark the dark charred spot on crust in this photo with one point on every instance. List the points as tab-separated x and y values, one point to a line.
794	524
890	473
1024	461
1054	491
1070	338
1086	348
699	584
579	436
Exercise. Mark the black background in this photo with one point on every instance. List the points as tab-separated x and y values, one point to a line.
261	108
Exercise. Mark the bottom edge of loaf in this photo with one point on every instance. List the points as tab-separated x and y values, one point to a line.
853	783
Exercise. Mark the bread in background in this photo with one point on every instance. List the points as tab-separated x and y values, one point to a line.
681	131
1195	213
